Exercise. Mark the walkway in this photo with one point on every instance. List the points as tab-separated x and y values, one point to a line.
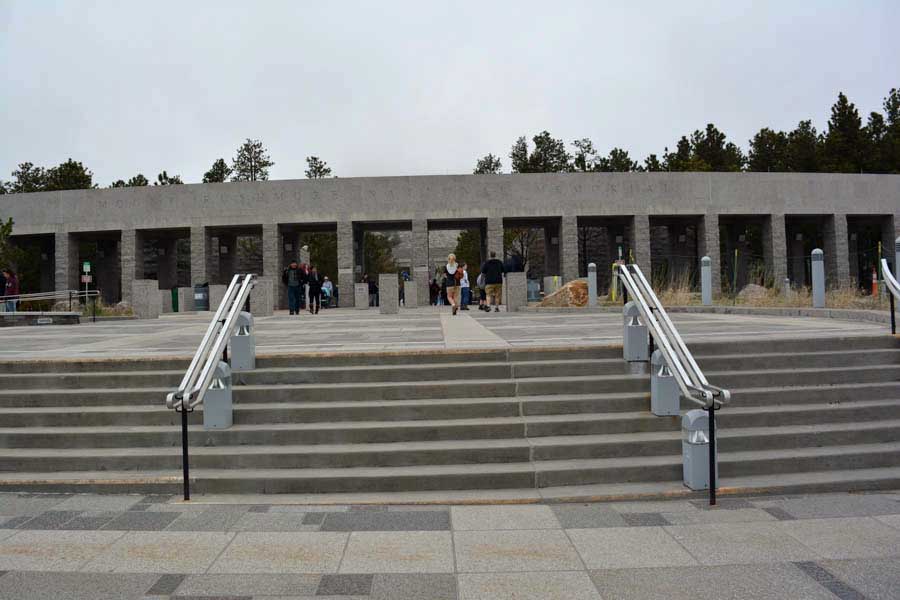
133	547
348	330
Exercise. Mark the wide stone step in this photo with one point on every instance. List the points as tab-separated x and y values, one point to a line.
731	464
444	452
813	359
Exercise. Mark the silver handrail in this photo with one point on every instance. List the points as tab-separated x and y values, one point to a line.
195	381
889	280
56	295
691	380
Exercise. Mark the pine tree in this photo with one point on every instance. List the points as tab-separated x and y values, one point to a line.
251	163
317	168
218	173
488	165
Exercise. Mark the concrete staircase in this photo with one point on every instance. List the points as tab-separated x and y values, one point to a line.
820	414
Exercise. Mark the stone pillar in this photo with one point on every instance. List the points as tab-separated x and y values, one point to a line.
345	277
494	237
410	295
131	252
837	258
888	238
516	291
360	295
568	248
261	297
186	299
388	294
421	265
145	303
552	251
165	300
199	252
775	247
273	259
639	239
708	245
66	259
216	295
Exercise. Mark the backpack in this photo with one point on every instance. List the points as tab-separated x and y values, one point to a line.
480	281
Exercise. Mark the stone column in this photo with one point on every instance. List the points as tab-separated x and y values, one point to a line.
837	258
516	291
639	241
345	265
568	248
273	262
199	251
775	248
421	269
261	300
494	237
131	251
66	259
708	245
146	296
388	294
888	238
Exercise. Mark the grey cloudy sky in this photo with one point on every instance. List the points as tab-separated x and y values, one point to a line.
409	88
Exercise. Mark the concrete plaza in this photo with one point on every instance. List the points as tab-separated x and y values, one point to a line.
431	328
143	547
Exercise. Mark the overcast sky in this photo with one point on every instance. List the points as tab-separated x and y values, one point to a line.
413	88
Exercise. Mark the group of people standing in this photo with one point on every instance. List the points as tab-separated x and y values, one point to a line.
9	286
458	289
303	279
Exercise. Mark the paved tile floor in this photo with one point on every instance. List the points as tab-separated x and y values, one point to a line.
844	546
348	330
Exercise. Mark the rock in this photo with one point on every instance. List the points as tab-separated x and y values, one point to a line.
574	293
751	292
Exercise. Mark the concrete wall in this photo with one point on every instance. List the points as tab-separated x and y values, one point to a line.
205	209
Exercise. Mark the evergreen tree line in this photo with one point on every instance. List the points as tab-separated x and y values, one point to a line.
251	163
847	146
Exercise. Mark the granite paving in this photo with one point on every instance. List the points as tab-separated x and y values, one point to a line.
820	546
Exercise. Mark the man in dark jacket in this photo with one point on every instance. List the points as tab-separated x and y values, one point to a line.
493	271
293	277
314	281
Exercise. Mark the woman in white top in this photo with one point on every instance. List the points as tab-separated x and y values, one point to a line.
452	275
464	288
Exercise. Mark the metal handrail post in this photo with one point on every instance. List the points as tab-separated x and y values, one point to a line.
712	453
185	460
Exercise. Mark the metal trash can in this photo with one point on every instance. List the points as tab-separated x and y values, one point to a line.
635	337
665	397
217	404
201	296
695	449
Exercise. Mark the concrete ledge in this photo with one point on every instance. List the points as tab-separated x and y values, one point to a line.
18	319
845	314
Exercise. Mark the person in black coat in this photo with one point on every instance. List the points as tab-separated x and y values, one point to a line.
314	281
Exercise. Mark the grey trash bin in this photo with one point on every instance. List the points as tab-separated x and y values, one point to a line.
695	449
201	296
635	338
665	397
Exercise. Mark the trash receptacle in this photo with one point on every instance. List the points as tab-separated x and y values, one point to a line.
695	449
174	299
635	338
201	296
665	397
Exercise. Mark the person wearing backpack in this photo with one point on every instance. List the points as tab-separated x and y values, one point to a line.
465	290
452	276
293	278
493	271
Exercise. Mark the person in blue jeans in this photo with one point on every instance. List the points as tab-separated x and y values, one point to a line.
466	291
293	278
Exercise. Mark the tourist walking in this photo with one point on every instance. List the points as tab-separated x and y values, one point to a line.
327	292
315	291
493	271
452	274
482	296
464	289
434	292
293	279
11	289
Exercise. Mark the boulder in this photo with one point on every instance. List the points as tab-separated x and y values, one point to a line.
574	293
751	292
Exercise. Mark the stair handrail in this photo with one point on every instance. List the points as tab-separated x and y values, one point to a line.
688	375
196	380
889	280
54	295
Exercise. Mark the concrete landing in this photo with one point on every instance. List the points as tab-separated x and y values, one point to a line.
431	328
139	547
